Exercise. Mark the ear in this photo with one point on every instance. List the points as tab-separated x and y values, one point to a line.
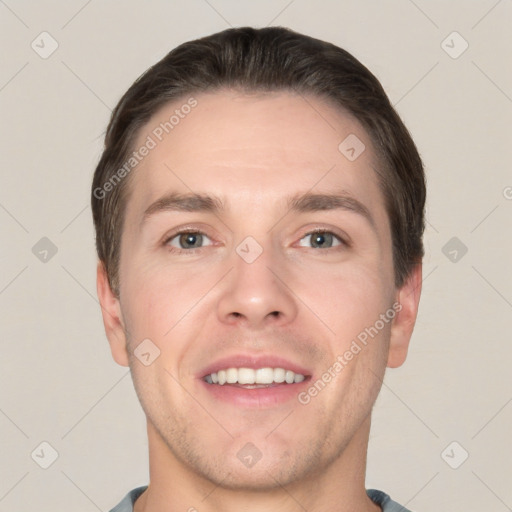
403	324
112	318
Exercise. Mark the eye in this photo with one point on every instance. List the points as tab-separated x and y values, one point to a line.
321	240
189	240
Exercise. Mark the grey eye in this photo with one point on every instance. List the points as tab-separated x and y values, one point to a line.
189	240
320	240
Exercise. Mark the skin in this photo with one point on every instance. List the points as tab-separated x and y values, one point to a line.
302	302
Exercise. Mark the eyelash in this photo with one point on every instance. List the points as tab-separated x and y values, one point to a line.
183	232
343	242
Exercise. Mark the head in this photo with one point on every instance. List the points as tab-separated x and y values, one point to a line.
258	200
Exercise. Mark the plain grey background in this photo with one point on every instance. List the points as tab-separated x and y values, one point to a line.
446	67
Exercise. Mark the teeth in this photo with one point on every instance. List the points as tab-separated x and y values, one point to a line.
279	375
231	375
250	376
246	376
264	375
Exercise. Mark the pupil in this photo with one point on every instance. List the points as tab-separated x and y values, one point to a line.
321	239
190	240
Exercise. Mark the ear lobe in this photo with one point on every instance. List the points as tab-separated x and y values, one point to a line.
112	317
403	323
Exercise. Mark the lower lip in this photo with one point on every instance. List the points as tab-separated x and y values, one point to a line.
271	396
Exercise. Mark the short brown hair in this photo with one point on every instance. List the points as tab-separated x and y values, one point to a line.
267	59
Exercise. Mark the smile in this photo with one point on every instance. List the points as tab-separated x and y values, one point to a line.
254	378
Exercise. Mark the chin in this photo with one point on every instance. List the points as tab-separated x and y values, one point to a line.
264	478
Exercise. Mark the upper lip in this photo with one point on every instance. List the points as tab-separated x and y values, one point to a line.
254	362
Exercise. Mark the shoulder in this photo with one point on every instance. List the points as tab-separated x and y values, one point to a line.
385	502
126	504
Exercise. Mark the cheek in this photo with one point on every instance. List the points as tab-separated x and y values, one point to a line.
157	296
163	303
155	305
347	299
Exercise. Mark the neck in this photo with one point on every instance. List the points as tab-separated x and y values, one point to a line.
339	487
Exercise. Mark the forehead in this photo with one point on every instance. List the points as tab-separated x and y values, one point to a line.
253	148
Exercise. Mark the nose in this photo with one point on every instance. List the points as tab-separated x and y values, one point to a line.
256	294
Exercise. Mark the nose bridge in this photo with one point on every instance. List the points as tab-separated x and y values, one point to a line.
253	295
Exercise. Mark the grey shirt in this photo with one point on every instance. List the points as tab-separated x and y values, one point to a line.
378	497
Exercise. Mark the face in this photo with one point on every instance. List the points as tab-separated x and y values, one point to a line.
255	255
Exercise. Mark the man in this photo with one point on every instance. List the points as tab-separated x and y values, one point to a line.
259	218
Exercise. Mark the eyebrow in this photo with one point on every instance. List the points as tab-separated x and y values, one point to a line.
184	203
320	202
302	203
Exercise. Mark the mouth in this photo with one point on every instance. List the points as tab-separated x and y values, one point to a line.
251	378
260	382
